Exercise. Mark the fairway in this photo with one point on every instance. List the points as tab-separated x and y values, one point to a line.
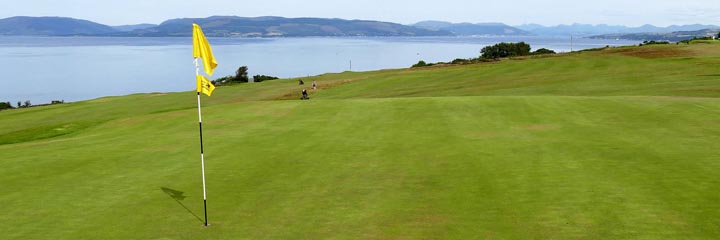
614	144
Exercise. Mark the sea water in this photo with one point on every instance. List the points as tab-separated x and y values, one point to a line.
41	69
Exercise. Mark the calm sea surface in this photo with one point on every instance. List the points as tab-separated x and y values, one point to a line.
41	69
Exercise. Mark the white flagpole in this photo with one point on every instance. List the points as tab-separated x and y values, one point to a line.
202	155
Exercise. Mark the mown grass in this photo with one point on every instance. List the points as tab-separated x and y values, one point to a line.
614	144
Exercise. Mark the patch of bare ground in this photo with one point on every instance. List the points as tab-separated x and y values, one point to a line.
653	52
322	85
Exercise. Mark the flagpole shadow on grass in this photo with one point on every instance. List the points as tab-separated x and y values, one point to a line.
177	196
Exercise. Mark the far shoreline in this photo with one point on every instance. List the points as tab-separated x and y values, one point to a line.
337	56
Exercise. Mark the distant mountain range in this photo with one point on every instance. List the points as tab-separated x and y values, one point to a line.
232	26
672	36
217	26
583	30
51	26
468	29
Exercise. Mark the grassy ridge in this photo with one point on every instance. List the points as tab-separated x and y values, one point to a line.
689	70
494	151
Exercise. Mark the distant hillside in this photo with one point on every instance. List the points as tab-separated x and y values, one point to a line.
129	28
231	26
673	36
601	29
467	29
574	29
51	26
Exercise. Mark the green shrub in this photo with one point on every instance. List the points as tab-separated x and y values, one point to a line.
5	105
460	61
653	42
422	63
543	51
503	50
260	78
241	76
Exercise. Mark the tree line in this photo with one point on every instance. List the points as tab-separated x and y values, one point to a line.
241	76
26	104
495	52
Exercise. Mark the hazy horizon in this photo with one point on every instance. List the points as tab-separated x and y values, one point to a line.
547	13
545	25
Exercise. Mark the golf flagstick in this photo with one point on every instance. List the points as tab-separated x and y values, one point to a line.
202	154
202	50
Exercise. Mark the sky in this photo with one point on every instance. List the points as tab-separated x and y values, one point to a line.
515	12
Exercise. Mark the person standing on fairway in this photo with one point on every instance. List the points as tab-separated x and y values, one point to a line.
314	84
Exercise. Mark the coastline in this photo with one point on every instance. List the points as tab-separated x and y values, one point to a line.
116	66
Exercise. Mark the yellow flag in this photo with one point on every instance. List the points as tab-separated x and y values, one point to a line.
201	49
204	85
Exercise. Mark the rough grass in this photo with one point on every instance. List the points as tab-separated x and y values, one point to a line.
611	72
595	145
